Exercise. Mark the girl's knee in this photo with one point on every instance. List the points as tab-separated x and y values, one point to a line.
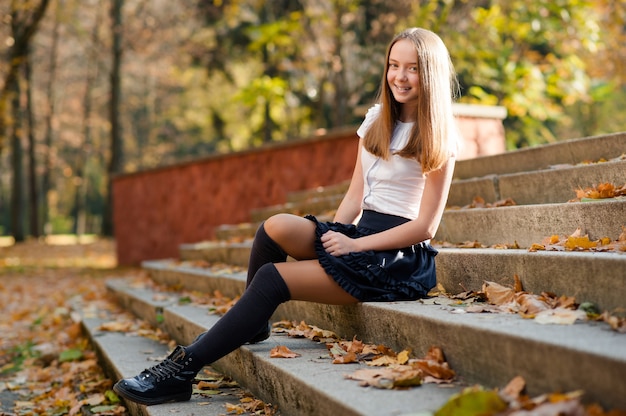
294	234
278	225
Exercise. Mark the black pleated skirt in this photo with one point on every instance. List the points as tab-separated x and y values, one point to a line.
378	276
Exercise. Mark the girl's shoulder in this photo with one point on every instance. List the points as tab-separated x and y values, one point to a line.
372	114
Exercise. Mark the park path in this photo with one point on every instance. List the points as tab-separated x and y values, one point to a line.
46	364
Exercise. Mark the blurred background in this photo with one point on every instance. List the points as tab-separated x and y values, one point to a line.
90	89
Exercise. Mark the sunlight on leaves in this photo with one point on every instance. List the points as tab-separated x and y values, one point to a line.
579	242
600	191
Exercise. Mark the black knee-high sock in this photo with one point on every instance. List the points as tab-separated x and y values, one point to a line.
242	321
264	250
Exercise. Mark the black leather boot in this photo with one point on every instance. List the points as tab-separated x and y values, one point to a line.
170	380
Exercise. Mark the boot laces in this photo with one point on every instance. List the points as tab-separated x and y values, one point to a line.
165	369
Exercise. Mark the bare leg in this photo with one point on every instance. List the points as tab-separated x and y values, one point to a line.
293	234
308	281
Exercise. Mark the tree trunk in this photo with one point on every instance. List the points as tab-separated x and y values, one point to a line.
80	214
33	194
22	34
46	180
115	163
17	154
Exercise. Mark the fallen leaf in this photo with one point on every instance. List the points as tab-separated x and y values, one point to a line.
498	294
583	242
116	326
560	316
514	389
473	401
388	377
531	304
578	242
382	361
434	364
282	351
347	358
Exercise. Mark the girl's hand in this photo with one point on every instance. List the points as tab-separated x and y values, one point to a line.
337	244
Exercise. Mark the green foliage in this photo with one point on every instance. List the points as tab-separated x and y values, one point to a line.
19	354
525	56
73	354
61	224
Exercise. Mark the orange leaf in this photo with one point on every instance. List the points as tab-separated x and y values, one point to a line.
347	358
283	352
388	377
531	304
498	294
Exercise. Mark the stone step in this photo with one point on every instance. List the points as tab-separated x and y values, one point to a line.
306	195
528	224
541	157
527	188
555	185
537	187
565	165
524	224
235	254
316	206
538	175
489	349
595	277
307	385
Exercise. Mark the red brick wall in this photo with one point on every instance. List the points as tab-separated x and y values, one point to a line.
157	210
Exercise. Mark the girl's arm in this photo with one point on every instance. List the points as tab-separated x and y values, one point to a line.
422	228
350	207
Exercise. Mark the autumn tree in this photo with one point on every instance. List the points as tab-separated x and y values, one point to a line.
525	56
24	18
48	115
115	161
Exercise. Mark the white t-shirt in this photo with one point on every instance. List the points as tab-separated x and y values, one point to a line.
393	186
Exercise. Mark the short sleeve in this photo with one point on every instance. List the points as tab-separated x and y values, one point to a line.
370	116
454	141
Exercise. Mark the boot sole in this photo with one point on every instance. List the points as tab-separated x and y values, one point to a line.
180	397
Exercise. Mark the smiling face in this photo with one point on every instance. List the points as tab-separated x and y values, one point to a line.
403	76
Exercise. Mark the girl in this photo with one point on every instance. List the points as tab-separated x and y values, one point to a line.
397	194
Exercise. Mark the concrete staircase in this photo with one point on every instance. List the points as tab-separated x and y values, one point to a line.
486	349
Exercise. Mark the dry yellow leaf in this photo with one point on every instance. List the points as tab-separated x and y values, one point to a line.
584	243
382	361
537	247
403	356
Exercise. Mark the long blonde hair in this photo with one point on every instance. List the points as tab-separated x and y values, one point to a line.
434	123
